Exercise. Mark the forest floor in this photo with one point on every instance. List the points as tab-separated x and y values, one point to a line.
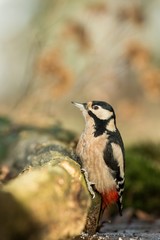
135	230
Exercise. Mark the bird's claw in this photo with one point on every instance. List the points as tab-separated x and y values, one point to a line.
89	184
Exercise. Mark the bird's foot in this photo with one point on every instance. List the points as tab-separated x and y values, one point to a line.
89	184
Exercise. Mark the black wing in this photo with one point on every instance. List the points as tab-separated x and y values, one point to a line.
113	164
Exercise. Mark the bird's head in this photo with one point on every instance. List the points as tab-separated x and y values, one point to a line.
99	111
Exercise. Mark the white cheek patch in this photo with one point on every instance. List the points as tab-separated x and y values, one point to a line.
102	114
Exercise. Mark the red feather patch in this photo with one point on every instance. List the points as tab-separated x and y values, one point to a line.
109	197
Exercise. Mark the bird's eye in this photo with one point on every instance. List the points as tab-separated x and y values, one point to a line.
95	107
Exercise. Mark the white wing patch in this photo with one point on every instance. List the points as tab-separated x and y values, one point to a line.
118	155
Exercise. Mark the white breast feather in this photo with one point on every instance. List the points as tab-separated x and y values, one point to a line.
90	150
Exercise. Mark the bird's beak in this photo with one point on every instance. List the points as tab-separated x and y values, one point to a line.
81	106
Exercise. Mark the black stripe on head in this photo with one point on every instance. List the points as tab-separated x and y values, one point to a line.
100	125
104	105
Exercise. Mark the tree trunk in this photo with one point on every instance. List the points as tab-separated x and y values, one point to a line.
47	197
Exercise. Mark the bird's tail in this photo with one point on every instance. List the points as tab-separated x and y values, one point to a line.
107	198
112	197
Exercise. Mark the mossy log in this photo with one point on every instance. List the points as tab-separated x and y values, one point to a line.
47	197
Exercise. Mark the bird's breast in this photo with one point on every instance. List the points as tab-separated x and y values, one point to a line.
90	149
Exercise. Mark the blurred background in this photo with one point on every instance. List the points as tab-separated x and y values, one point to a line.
53	52
56	51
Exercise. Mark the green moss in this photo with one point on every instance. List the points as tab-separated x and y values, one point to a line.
7	137
143	177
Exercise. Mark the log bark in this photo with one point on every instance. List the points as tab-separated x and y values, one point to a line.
47	197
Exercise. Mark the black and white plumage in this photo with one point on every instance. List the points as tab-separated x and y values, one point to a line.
101	151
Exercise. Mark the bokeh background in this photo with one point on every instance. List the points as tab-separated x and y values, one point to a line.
56	51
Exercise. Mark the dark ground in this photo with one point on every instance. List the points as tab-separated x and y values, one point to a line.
134	224
136	230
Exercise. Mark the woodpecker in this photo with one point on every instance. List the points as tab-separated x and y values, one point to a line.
101	151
